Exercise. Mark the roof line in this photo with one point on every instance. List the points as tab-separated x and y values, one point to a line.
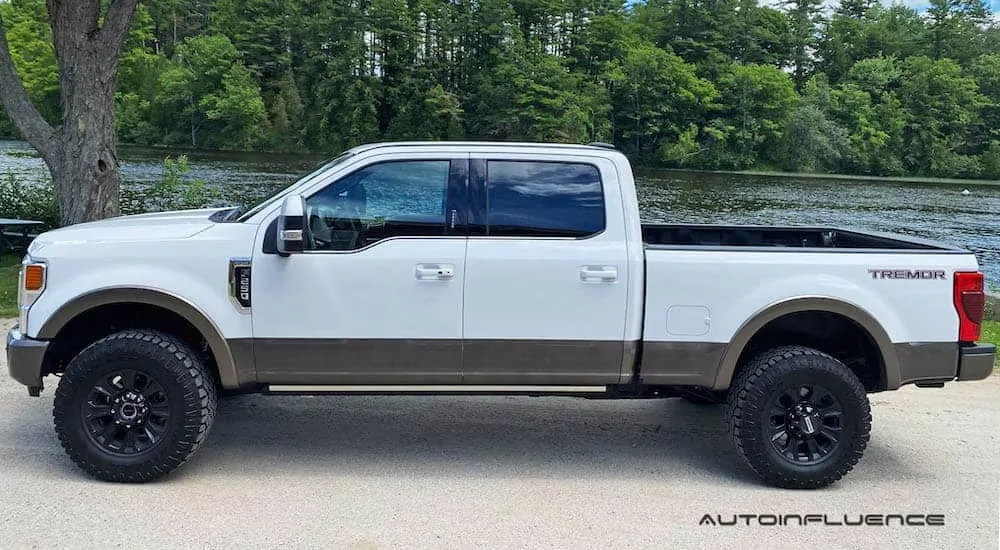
484	143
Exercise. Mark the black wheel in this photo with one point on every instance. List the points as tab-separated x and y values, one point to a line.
704	397
134	406
800	418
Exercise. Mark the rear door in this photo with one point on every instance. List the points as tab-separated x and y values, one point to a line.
546	278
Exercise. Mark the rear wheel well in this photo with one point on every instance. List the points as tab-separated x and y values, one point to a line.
96	323
829	332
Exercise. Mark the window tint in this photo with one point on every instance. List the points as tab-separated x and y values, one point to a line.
391	199
544	199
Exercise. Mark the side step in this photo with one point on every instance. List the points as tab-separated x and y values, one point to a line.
363	389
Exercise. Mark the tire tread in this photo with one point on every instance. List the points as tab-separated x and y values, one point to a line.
767	369
179	360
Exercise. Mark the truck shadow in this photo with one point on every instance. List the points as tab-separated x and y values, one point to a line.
444	437
491	437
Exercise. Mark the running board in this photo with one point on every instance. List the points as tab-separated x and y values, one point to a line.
432	390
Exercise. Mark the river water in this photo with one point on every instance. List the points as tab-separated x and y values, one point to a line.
931	210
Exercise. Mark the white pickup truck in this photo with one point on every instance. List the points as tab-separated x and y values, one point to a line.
484	268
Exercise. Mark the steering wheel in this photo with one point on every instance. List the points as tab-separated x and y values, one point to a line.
319	234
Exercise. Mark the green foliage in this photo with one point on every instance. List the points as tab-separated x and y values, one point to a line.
757	101
29	38
867	105
955	29
28	201
285	113
700	33
657	98
865	87
941	104
173	191
258	29
209	97
804	19
986	72
991	334
990	162
812	142
762	35
10	267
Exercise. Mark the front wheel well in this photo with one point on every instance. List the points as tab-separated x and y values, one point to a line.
825	331
98	322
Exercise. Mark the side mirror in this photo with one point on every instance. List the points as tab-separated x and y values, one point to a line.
291	225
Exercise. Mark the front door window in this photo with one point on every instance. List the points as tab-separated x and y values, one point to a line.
378	202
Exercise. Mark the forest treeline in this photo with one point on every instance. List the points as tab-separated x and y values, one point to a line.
863	88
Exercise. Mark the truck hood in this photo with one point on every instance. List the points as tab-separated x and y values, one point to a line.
156	226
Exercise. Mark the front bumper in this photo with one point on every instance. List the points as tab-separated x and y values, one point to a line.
975	362
24	360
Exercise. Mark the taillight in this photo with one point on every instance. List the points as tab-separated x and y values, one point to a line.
970	301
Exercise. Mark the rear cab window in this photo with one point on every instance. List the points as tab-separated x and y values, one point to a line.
543	199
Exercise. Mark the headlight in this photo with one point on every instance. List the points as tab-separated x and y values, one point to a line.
31	280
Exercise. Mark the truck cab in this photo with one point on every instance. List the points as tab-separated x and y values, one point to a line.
434	266
474	268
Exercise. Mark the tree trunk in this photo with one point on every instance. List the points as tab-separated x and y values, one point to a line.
86	168
72	174
85	174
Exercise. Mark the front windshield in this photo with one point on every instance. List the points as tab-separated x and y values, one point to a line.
280	194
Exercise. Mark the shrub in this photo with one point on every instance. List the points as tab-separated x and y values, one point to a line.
172	191
28	201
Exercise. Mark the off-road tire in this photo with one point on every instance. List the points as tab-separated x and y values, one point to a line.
187	389
748	421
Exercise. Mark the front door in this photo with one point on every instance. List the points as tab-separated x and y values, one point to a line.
547	272
376	297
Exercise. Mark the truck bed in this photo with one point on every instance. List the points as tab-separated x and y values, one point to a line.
704	281
829	239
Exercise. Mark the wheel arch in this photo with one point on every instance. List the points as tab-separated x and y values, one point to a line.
229	372
866	322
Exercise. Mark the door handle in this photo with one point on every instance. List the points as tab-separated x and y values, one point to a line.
439	272
598	273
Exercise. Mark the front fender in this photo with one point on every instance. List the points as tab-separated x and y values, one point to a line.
206	308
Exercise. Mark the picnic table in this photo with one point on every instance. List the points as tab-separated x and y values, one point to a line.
9	228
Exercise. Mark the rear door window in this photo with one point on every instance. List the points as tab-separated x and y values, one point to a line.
544	199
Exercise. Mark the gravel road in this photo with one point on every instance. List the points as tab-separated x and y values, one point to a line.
496	472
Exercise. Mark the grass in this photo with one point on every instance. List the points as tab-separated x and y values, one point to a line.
991	332
10	264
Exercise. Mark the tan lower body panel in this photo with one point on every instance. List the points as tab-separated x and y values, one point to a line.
926	361
680	363
458	388
358	361
478	362
518	363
